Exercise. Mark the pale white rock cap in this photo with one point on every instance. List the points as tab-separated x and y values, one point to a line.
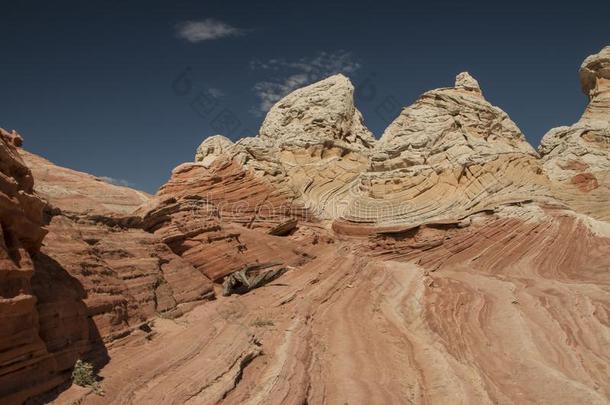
211	148
465	81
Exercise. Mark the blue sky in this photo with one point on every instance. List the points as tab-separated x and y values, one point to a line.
128	91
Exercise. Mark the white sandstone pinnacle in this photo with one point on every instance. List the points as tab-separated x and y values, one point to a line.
211	148
449	126
465	81
595	70
451	146
584	147
323	111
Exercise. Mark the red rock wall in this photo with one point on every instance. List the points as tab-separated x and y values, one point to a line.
127	274
207	217
237	194
96	276
24	360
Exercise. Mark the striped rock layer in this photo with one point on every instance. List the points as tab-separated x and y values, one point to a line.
447	262
577	158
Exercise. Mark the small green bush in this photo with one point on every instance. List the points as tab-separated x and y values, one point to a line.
83	375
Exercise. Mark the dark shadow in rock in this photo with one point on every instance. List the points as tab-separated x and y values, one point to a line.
65	327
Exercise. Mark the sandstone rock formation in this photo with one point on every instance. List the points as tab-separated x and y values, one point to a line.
208	217
447	156
322	112
481	314
127	274
75	191
95	278
311	147
23	354
595	83
577	157
445	263
211	148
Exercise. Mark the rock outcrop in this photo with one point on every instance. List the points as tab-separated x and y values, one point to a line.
74	191
449	127
127	274
507	310
447	156
96	277
322	113
445	263
21	209
474	282
211	148
25	363
595	83
577	158
311	147
210	217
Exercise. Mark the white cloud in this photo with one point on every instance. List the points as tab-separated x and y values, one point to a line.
216	93
298	74
116	182
208	29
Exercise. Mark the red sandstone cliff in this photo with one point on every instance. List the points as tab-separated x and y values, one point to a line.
445	263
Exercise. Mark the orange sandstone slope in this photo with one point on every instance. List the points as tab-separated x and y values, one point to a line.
95	277
445	263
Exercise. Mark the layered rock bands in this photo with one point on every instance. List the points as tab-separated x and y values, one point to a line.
446	262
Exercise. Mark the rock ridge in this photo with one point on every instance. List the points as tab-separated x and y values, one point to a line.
577	158
448	253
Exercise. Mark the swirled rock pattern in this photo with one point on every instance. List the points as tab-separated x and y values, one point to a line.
96	277
312	146
447	262
447	156
577	158
319	113
480	314
208	216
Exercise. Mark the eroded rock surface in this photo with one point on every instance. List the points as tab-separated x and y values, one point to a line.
210	217
445	263
481	314
577	158
447	156
311	146
212	147
75	191
96	277
25	363
127	275
322	112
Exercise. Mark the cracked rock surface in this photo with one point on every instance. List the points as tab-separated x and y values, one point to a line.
447	262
